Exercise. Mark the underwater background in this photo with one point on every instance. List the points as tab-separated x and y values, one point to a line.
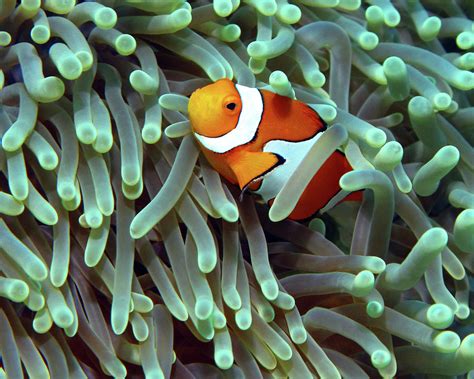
124	254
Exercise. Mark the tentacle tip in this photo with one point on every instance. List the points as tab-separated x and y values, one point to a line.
125	44
289	13
40	34
463	312
376	138
378	265
86	132
182	18
364	282
374	309
50	89
58	277
11	142
440	316
151	134
442	101
39	273
94	220
203	308
66	191
275	214
136	231
216	72
284	352
298	335
230	213
392	18
232	299
105	18
223	9
224	359
19	291
267	7
467	346
119	324
91	261
49	162
380	359
64	318
447	342
243	319
86	59
207	264
181	314
269	289
368	41
436	238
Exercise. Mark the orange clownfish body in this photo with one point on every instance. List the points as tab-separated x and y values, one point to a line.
256	139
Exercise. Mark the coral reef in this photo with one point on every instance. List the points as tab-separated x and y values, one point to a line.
123	253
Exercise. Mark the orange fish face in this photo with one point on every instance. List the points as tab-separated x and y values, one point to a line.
214	109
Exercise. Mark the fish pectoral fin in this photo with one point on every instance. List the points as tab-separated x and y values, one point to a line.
251	166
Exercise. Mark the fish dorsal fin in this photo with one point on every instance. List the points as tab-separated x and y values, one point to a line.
250	166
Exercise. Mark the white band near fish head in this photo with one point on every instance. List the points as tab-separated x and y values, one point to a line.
246	128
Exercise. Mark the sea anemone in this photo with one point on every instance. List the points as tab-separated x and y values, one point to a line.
124	254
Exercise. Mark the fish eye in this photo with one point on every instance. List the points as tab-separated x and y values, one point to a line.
231	106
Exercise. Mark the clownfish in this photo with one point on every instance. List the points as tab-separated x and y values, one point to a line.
256	139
